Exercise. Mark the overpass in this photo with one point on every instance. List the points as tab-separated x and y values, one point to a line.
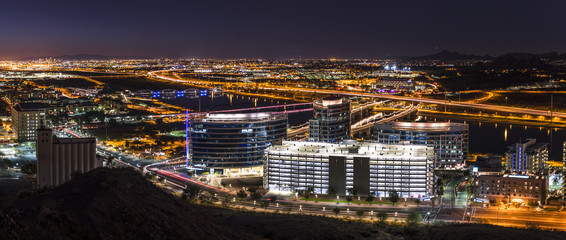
487	107
366	123
298	132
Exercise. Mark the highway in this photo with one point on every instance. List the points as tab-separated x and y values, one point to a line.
488	107
367	123
514	217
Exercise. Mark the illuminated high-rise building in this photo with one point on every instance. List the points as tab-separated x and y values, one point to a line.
234	143
527	157
364	166
26	118
449	139
331	122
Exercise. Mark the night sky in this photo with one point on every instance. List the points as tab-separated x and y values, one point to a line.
280	29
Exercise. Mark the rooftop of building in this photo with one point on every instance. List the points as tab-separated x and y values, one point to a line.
241	117
355	149
530	144
30	106
488	162
423	126
73	140
66	140
515	177
395	79
332	100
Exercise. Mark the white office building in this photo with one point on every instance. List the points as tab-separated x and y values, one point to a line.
367	167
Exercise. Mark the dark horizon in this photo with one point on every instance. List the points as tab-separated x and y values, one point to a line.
87	56
280	30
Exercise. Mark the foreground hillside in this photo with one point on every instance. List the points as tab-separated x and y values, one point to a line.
121	204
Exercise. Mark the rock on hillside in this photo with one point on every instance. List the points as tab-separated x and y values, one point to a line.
109	204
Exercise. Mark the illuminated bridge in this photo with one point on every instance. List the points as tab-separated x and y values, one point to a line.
276	109
146	93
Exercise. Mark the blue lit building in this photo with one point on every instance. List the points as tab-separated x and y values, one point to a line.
234	143
527	157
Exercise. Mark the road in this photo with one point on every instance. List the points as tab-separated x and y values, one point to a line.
452	211
514	217
489	107
369	122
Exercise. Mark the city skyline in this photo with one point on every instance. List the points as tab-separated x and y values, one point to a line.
275	30
283	119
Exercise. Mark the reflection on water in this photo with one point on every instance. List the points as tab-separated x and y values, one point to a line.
223	101
485	137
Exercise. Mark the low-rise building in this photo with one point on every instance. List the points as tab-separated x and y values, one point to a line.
364	166
512	188
399	84
488	165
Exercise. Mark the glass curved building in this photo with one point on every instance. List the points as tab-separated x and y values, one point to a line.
234	143
331	122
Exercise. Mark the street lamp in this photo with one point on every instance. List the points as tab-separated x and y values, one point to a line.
497	223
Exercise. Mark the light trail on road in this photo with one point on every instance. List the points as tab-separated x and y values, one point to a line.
495	108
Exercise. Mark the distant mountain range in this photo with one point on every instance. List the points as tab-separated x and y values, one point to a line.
451	56
448	56
84	57
445	56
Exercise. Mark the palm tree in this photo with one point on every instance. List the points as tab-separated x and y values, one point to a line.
360	214
336	211
242	194
370	198
393	197
381	216
331	191
349	199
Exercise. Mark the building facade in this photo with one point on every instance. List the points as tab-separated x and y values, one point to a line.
512	188
234	143
26	118
331	122
527	157
449	139
398	84
367	167
59	158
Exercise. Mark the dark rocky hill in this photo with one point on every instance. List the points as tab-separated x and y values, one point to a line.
109	204
122	204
